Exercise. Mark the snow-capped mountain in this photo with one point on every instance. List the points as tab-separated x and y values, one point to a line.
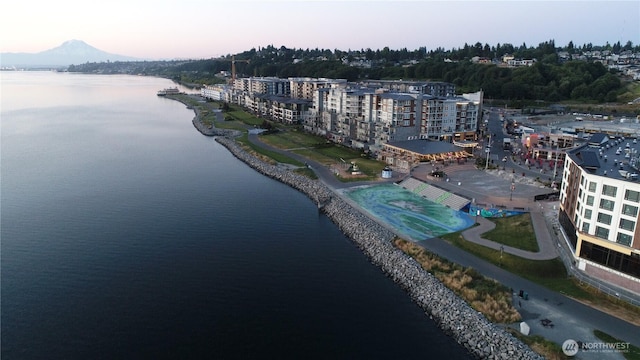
70	52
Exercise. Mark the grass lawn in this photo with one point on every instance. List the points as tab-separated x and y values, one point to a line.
271	154
338	153
243	117
632	353
231	125
292	139
515	231
551	274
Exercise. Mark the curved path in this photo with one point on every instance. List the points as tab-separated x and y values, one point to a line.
545	243
571	319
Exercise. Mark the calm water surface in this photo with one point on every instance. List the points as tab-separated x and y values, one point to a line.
127	234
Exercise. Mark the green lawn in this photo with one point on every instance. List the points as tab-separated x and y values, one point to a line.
515	231
292	139
329	156
549	273
243	117
632	353
271	154
231	125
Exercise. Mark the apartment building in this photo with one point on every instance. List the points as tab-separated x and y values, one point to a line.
367	118
453	118
270	86
359	116
396	117
282	109
215	92
305	88
434	88
263	85
599	203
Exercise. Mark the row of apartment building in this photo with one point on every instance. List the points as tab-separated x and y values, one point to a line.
363	115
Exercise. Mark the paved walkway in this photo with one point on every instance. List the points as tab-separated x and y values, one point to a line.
571	319
545	243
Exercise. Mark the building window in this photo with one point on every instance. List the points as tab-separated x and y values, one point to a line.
602	232
606	204
604	218
632	195
592	186
624	239
585	227
627	224
587	214
629	210
590	200
609	190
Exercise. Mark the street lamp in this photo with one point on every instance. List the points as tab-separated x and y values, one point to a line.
488	151
513	187
555	166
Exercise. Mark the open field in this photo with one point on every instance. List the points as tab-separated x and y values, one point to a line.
292	139
515	231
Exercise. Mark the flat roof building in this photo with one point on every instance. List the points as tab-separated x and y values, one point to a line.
599	208
406	154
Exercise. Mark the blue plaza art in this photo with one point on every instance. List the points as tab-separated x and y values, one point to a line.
409	214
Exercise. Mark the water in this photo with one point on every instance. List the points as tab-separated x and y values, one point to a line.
127	234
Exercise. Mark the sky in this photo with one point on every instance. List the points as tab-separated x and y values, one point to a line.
197	29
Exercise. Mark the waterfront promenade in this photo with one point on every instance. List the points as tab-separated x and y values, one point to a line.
571	318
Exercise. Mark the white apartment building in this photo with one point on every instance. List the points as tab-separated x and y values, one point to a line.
370	117
599	209
359	116
262	85
453	118
215	92
305	88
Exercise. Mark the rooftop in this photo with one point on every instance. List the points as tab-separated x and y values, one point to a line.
613	157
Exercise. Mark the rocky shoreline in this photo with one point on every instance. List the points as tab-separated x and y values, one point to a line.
454	316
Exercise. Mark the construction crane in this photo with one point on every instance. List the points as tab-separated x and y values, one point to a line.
233	66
